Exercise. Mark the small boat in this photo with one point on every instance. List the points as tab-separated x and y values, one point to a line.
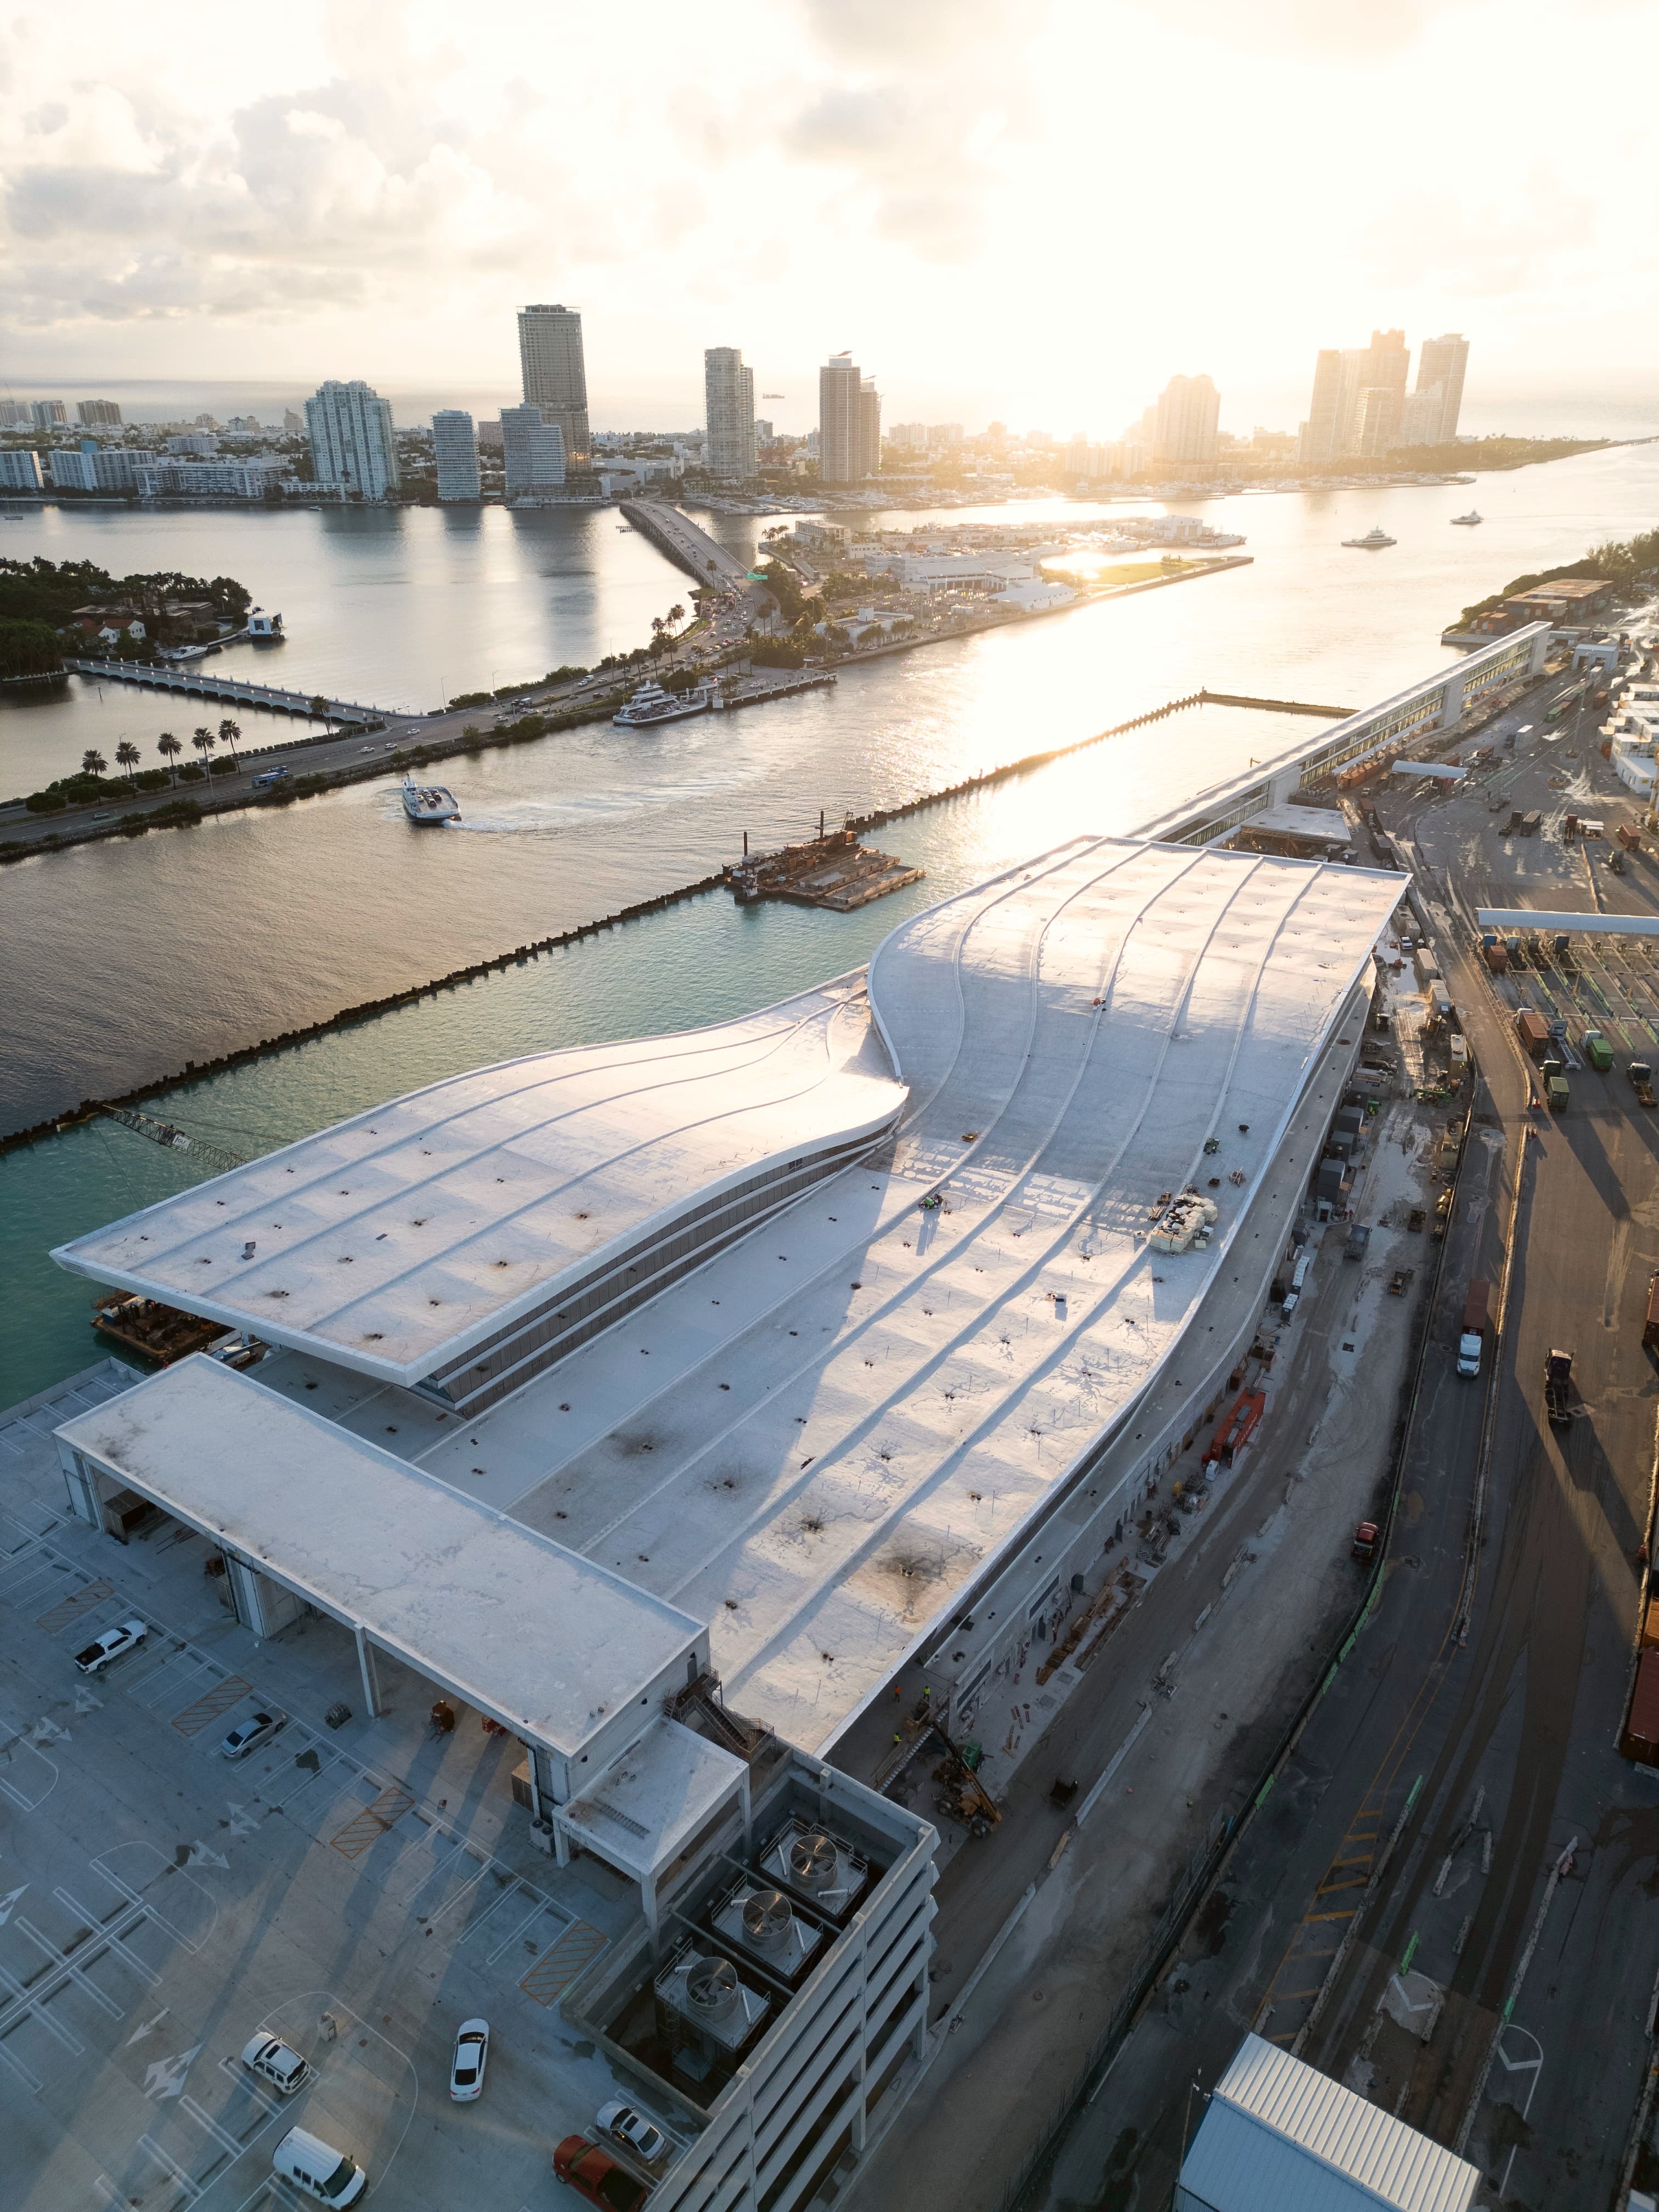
1467	521
1372	542
427	803
651	704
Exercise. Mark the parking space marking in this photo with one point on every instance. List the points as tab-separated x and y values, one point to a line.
366	1828
534	1914
129	1957
29	1777
177	1671
33	2007
213	1704
68	1971
56	1617
153	2150
560	1963
211	2127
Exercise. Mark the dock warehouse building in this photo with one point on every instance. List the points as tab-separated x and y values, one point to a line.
730	1372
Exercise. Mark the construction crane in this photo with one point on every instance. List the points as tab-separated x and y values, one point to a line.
174	1139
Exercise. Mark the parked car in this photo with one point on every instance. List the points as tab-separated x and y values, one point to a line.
247	1736
633	2128
275	2062
594	2174
466	2068
110	1646
321	2171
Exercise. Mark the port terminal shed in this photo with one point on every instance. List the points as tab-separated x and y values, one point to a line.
748	1367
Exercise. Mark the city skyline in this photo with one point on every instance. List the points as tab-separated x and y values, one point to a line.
289	214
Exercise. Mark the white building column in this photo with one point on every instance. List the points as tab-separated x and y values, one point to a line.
371	1675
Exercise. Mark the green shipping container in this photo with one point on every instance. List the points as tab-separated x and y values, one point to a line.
1597	1051
1558	1093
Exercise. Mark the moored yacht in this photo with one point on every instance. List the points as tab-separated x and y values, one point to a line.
650	703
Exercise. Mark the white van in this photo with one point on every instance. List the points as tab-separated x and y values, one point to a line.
321	2171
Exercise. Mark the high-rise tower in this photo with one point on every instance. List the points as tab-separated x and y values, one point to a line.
729	401
455	450
555	374
841	421
352	446
1442	361
1188	410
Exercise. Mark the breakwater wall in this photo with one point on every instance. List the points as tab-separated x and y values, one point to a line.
368	1009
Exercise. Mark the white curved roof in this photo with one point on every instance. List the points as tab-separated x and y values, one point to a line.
400	1238
848	1416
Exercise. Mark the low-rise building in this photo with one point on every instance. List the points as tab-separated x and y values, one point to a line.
1572	599
19	468
221	479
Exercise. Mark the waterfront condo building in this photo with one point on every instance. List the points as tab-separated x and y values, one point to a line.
455	450
48	414
1441	364
103	413
554	375
352	447
532	451
1184	429
729	396
849	421
20	470
1319	439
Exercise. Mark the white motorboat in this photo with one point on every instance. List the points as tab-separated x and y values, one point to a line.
1468	521
426	803
1372	542
651	704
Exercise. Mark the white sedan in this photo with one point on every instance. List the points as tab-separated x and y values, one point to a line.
110	1646
627	2125
466	2071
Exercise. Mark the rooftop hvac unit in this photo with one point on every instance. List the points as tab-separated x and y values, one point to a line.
817	1866
761	1920
707	1996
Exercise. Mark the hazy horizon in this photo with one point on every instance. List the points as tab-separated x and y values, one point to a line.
1035	212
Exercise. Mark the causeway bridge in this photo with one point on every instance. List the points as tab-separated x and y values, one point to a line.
683	542
192	683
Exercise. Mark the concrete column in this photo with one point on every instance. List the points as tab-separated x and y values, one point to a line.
370	1673
919	2041
648	1899
561	1843
747	1815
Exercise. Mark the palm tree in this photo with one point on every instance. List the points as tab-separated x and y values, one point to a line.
169	747
676	613
93	763
205	741
228	733
129	755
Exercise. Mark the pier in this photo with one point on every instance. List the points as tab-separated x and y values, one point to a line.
680	540
164	677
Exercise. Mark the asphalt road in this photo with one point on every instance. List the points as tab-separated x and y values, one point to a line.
1476	1717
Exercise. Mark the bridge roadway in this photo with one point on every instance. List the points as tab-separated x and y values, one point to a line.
680	539
195	684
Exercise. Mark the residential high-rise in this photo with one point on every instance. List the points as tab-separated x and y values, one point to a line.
352	446
1188	410
1381	367
869	426
729	399
1420	416
841	421
100	411
292	423
533	451
455	450
1376	427
14	413
1321	438
48	414
19	471
556	374
1442	361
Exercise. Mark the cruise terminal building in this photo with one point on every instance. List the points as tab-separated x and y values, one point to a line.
662	1400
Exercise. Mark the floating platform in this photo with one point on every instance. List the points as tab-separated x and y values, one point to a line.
155	1331
833	870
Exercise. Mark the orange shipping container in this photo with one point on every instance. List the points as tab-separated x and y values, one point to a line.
1650	1628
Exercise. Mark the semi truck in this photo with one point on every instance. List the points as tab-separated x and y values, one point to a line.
1534	1032
1557	1387
1475	1326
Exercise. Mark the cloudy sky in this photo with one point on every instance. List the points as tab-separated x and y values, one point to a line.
1036	208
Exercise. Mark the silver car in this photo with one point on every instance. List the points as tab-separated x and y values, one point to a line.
627	2125
247	1736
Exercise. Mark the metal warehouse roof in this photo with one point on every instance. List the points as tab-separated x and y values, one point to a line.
1280	2136
398	1240
549	1642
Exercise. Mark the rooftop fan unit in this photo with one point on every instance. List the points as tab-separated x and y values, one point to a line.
710	2001
761	1920
817	1866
